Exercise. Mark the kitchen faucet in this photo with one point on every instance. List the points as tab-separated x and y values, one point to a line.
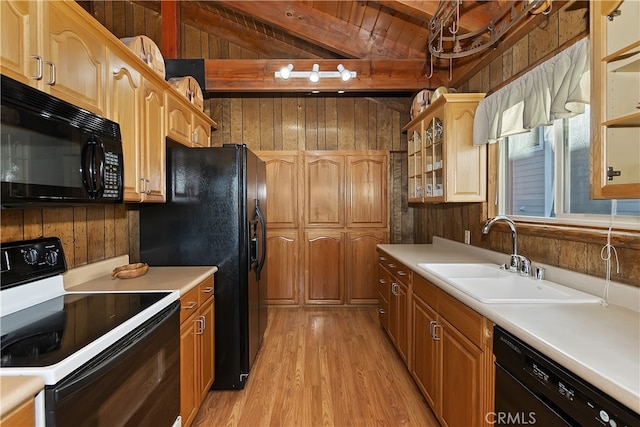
517	263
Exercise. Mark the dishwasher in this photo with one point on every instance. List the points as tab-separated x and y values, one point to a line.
531	389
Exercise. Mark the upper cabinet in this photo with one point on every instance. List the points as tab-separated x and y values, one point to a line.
615	99
444	165
51	46
58	48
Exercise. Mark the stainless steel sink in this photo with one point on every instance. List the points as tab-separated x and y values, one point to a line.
489	284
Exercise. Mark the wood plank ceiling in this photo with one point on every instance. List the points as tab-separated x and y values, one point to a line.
385	42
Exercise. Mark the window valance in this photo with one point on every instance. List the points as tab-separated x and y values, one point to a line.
557	88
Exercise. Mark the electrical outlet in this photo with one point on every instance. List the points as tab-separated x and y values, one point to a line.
467	237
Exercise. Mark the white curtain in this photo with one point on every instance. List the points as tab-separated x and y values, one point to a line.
557	88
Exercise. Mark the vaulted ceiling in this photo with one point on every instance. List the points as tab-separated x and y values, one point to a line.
385	42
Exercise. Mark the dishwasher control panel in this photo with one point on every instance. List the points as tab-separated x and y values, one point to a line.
574	400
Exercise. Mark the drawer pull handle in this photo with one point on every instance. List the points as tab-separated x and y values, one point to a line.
401	273
191	305
382	281
391	265
381	311
435	332
208	290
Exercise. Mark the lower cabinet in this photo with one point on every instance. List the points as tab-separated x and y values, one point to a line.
451	358
399	283
197	349
23	415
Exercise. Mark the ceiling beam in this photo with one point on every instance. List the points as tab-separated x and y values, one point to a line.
322	29
258	75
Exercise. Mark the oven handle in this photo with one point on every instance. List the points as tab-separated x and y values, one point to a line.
112	356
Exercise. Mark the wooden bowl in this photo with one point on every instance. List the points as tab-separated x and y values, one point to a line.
130	271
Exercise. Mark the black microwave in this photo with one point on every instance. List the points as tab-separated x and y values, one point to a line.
55	152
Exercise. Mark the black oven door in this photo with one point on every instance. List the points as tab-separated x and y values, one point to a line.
136	382
54	152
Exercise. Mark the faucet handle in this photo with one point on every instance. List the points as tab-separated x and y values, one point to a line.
524	268
514	263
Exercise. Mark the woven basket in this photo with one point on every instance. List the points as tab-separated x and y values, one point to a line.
148	51
130	271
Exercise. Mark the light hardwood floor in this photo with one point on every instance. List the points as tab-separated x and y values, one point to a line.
322	366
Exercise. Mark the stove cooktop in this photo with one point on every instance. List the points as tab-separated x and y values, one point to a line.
47	333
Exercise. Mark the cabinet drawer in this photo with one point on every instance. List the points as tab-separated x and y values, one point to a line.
189	303
205	290
399	270
425	290
463	318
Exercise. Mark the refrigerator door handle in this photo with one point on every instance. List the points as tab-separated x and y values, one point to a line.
263	244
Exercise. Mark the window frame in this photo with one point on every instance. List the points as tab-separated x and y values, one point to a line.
561	218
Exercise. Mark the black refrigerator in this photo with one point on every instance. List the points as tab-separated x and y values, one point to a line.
215	215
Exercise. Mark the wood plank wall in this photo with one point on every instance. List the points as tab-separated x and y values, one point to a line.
88	234
570	248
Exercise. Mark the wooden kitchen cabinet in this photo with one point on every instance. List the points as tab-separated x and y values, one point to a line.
152	185
324	268
366	191
615	99
197	348
384	291
124	105
18	40
443	163
399	278
283	261
184	124
22	416
324	188
361	267
327	212
282	170
52	47
451	356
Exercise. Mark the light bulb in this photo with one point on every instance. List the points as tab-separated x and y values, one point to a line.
314	77
345	74
285	72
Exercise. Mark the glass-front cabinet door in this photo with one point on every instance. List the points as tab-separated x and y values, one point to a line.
615	100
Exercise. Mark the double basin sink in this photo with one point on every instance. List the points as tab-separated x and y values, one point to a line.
488	283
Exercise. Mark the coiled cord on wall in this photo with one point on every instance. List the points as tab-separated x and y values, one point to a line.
605	255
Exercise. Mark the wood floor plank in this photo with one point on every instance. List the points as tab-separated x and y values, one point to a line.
325	366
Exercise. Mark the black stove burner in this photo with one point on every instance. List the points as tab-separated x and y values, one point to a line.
46	333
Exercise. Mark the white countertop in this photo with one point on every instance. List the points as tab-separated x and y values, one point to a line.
97	277
599	344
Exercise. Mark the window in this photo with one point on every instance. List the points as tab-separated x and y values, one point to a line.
545	174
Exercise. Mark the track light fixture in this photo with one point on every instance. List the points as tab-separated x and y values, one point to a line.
314	77
286	72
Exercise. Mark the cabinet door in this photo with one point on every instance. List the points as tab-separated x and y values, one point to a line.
179	119
23	416
402	304
75	59
17	41
366	187
201	132
425	353
384	287
362	266
283	271
462	373
282	189
615	118
324	191
324	267
206	340
153	143
124	108
189	394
